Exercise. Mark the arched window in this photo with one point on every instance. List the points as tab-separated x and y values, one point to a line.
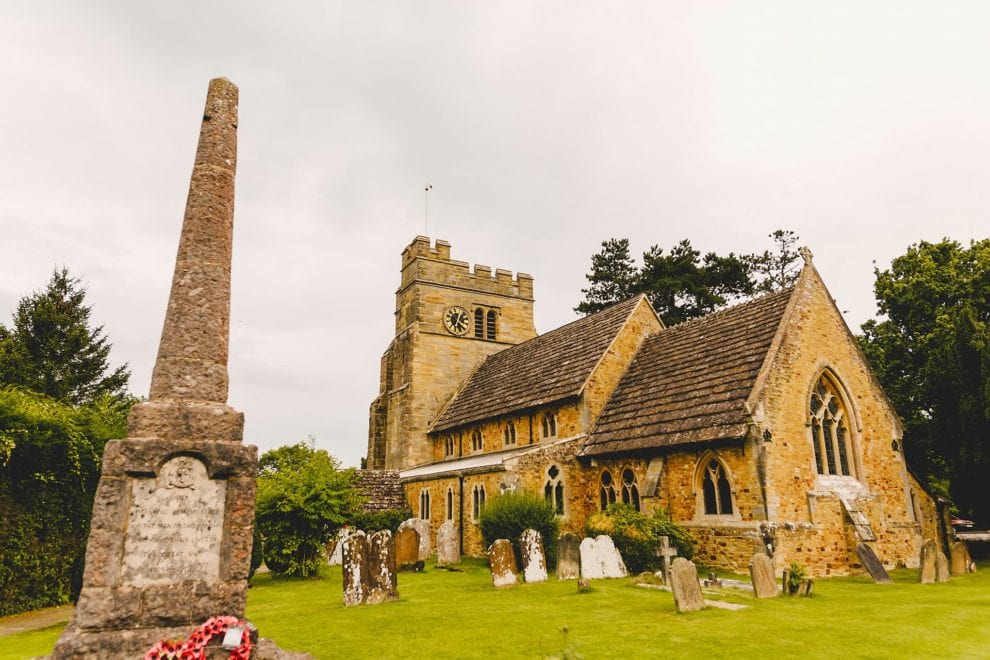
424	504
553	490
630	491
829	429
479	324
450	503
549	425
448	445
716	490
477	501
476	442
509	433
490	327
607	490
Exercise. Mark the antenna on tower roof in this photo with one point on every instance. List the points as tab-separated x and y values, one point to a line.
426	203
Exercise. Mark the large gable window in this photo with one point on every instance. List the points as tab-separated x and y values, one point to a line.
830	429
715	488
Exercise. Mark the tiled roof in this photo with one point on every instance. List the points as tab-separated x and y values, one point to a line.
382	488
688	382
548	368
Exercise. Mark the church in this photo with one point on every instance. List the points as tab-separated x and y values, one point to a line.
758	424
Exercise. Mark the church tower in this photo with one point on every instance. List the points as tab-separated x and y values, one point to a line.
448	319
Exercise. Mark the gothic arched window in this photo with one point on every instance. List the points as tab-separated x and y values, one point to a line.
549	425
715	489
829	429
477	501
606	490
424	504
476	441
630	491
450	503
509	433
448	445
553	490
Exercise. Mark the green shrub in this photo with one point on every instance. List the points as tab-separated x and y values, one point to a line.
373	521
506	516
637	535
796	574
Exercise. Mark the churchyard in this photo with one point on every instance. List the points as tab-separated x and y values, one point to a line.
443	613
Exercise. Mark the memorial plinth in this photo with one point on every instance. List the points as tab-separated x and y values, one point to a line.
170	541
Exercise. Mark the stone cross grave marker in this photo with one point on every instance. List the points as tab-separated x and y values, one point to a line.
666	554
568	556
761	573
534	562
502	560
685	585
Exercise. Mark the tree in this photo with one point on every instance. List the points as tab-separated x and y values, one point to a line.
776	270
679	284
303	499
51	349
931	352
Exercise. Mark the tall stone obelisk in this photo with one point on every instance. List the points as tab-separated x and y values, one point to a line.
170	541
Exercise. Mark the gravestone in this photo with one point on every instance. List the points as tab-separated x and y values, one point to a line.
534	563
929	552
872	564
354	565
591	563
612	564
382	582
338	547
568	556
684	583
407	548
666	554
448	544
941	567
961	562
502	561
761	573
171	533
422	527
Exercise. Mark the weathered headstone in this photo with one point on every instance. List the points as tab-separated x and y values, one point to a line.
872	564
406	548
534	563
335	557
382	582
171	534
591	563
612	564
684	583
354	564
942	567
761	573
666	554
961	561
423	528
448	544
929	552
568	556
502	561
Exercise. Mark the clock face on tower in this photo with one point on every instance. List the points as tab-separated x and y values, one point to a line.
456	320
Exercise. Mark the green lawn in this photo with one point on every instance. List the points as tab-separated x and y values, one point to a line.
447	614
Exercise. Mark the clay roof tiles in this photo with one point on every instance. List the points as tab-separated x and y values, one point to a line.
688	383
549	368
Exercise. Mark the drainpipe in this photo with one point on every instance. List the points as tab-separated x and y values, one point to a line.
460	511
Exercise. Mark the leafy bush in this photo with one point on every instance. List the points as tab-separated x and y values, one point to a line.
506	516
796	574
303	499
373	521
637	535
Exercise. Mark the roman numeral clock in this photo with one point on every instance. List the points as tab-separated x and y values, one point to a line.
456	320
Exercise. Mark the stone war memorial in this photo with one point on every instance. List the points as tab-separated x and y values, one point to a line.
171	535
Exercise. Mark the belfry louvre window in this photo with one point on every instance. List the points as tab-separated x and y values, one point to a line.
716	490
479	324
829	431
606	490
630	491
509	433
490	327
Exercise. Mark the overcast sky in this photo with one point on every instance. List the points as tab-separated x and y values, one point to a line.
544	127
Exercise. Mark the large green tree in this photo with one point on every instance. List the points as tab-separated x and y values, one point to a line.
52	349
303	499
931	352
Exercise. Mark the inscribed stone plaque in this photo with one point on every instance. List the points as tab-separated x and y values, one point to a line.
175	525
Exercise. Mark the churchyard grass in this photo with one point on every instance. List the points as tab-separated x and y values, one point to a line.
451	614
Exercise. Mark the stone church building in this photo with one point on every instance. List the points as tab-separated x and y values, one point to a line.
760	423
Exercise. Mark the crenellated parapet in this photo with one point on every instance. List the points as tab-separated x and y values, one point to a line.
423	262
